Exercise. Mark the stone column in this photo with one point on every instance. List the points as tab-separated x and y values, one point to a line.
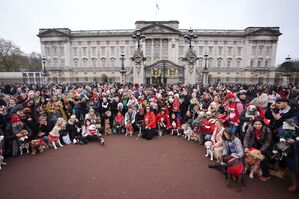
190	66
138	67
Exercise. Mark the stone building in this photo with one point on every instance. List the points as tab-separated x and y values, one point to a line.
243	56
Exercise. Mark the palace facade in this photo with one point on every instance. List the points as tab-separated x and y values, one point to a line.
242	56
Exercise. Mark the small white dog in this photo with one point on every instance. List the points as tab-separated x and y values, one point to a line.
23	144
1	156
187	131
208	146
174	129
54	137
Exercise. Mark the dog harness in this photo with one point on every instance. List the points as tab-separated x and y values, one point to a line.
235	170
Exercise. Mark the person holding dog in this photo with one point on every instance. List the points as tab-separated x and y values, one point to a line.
259	136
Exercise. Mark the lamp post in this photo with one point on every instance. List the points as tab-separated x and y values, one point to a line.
44	70
205	72
122	70
137	36
285	74
189	37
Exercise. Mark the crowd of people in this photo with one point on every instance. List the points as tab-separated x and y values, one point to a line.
234	118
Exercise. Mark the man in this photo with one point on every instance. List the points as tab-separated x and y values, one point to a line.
234	111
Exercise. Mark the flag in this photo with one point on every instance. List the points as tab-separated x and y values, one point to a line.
157	6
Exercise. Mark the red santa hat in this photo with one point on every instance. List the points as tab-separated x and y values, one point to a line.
15	118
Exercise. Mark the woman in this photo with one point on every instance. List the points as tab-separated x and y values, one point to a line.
217	142
259	136
150	127
231	144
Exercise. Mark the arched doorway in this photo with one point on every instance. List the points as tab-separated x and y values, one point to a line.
104	78
164	71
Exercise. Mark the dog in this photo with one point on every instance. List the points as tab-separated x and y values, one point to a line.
1	152
174	129
208	145
161	128
37	145
107	128
235	168
54	137
187	131
252	161
22	141
194	136
129	129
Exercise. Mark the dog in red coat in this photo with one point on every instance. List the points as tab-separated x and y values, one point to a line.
235	169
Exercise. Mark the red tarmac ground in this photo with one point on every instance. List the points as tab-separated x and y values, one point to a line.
167	167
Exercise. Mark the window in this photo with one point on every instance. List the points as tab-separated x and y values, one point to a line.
103	63
94	63
62	63
259	63
266	63
55	63
268	50
148	47
49	63
54	50
251	63
156	47
84	51
253	50
165	47
112	63
76	63
122	50
48	51
75	51
238	63
261	50
210	50
103	51
61	50
93	51
219	63
84	63
229	51
132	50
210	63
239	51
112	48
181	51
220	50
228	63
200	50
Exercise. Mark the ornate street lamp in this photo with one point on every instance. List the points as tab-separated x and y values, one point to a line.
205	71
285	70
189	37
122	70
44	70
137	36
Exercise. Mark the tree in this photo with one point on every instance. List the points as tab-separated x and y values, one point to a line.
12	59
10	56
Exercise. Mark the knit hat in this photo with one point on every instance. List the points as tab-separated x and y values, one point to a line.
230	95
15	118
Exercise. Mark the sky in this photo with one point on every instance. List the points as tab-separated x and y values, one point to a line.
20	20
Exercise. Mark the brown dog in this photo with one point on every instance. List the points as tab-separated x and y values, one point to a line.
38	145
235	169
107	128
252	161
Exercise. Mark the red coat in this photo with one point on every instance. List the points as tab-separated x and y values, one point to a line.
165	117
152	120
234	111
176	105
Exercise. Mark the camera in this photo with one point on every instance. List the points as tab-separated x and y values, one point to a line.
275	110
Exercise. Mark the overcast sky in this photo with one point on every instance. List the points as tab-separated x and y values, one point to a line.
21	19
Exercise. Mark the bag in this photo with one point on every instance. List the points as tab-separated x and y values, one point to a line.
66	139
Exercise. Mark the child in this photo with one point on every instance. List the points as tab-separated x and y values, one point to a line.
119	122
175	125
90	132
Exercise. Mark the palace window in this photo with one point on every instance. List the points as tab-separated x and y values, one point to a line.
229	51
54	50
259	63
84	63
103	63
84	51
261	50
200	63
165	47
93	51
268	50
112	48
266	63
220	50
75	51
238	63
112	61
210	50
103	51
219	63
251	63
239	52
61	50
200	50
48	51
148	47
122	50
76	63
210	62
94	63
228	63
253	50
62	63
132	50
181	51
55	63
157	48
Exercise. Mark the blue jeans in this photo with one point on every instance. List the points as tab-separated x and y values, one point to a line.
233	128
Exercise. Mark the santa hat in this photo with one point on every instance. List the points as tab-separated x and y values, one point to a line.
15	118
230	95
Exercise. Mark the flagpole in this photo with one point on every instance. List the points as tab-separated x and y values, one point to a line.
156	12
